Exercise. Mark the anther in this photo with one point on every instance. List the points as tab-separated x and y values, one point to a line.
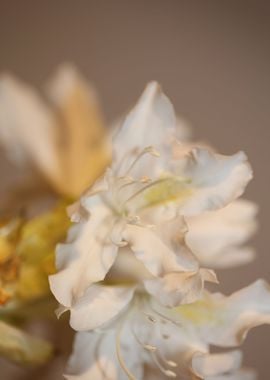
150	347
169	373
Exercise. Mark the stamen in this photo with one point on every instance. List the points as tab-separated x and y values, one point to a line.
130	181
164	319
157	355
98	361
146	346
119	244
169	362
148	150
146	188
145	179
133	219
165	371
150	317
130	376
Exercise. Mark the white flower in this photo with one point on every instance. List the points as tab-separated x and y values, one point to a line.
147	341
126	254
171	272
139	204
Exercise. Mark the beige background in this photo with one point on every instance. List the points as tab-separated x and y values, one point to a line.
212	58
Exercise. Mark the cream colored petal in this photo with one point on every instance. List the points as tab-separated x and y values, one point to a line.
174	289
150	123
225	321
160	248
177	278
89	360
215	237
229	257
83	150
27	128
208	365
105	356
237	314
214	180
99	305
85	258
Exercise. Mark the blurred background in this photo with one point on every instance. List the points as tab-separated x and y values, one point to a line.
211	57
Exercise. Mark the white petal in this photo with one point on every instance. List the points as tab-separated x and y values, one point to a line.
27	127
96	356
229	257
99	305
89	361
150	123
243	310
85	258
174	289
214	236
225	321
208	365
215	180
161	249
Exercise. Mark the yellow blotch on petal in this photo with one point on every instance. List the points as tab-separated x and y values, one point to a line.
201	312
162	191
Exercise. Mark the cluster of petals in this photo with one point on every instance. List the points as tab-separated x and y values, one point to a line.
146	239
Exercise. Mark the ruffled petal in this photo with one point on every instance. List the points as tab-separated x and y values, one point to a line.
225	321
89	360
215	237
85	258
150	123
99	305
96	356
206	365
214	180
160	248
174	289
177	277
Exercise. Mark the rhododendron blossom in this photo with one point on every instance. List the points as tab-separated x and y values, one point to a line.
145	240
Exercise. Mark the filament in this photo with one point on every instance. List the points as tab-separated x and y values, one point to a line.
119	354
165	371
148	150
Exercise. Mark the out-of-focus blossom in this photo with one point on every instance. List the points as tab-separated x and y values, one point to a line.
26	259
27	254
64	139
23	348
